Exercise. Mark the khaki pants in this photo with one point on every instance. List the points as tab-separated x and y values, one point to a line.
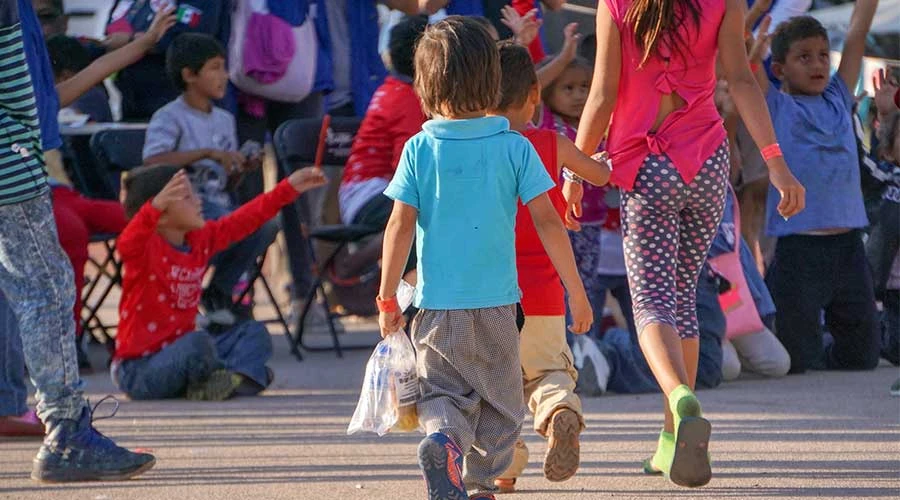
548	376
548	371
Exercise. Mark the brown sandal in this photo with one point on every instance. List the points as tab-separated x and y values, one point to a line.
563	450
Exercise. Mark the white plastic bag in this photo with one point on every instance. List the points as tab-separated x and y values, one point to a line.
390	388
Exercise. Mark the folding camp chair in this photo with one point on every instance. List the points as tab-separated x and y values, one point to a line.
296	142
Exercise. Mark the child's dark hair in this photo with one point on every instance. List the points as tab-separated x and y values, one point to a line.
191	51
517	75
402	45
144	183
67	54
794	30
578	62
457	68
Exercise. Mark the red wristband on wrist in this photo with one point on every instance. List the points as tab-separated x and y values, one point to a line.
387	305
771	151
754	68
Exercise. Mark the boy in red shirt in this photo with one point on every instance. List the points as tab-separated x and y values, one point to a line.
394	115
166	249
547	366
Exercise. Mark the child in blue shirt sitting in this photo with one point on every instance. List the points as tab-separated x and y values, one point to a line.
820	262
456	189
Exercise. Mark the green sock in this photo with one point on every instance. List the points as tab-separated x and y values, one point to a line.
683	403
662	459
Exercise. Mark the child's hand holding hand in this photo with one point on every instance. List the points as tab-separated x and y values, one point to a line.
570	43
573	193
582	314
307	178
177	189
525	28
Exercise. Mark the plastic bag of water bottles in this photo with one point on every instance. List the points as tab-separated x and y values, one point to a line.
387	401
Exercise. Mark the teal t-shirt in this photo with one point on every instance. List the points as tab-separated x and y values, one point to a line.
465	178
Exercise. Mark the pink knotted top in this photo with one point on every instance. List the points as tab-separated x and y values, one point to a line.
688	135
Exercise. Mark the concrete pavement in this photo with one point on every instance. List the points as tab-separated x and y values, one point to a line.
820	435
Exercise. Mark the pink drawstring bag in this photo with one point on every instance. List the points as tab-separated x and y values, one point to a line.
741	315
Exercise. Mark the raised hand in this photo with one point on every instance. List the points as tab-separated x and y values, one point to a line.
885	90
164	20
570	41
177	189
525	28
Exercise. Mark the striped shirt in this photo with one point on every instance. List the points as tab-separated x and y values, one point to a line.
22	172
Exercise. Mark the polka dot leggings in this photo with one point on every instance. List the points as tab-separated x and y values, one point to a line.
668	227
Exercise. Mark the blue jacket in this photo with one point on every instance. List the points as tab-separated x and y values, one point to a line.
465	8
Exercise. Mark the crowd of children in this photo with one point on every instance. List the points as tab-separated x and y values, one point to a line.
476	155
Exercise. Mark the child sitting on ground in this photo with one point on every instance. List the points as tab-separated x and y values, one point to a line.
820	262
457	189
394	115
191	132
547	370
165	250
78	82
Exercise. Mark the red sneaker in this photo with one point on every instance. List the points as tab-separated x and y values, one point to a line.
27	425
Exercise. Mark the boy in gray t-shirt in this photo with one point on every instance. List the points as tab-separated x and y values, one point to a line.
191	132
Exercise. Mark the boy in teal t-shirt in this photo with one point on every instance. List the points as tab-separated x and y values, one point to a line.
456	188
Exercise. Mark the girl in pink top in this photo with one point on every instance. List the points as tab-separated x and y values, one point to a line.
653	86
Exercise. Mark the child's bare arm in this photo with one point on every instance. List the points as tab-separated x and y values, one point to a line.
556	243
97	71
758	50
855	44
589	169
551	71
398	239
601	99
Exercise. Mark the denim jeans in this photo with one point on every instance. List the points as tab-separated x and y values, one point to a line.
244	349
37	279
629	371
240	257
13	392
